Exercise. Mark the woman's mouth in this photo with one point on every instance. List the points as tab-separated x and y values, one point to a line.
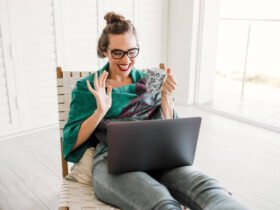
124	67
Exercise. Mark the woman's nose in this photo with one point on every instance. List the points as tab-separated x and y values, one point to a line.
126	59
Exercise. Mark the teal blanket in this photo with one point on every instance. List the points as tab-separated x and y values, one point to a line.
130	102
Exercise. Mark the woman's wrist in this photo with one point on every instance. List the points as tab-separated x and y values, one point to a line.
87	127
167	106
100	113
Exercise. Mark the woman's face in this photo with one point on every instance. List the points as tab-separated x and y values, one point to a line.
124	42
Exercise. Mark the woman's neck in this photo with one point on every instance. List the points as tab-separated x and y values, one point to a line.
117	78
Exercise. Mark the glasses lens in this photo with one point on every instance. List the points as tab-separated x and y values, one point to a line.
133	53
117	54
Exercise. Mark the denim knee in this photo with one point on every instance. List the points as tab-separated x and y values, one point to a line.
168	205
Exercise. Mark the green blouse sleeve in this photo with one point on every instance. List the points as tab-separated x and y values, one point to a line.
82	106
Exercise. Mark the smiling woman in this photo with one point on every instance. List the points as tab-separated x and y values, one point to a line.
94	106
119	44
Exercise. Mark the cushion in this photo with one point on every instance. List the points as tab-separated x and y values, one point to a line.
81	172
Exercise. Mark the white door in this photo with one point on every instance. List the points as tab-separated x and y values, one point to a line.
34	56
8	100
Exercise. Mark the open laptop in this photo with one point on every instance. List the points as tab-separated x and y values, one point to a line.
151	144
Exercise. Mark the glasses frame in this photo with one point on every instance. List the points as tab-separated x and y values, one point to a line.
125	52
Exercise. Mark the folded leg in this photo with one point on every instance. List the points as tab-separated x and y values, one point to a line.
197	190
133	190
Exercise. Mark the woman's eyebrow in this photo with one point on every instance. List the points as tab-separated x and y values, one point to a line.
117	49
121	49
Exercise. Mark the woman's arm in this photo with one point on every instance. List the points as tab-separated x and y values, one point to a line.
167	103
88	127
167	106
104	102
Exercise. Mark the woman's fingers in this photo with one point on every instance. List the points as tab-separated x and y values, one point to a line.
170	76
100	80
172	80
168	71
104	79
90	88
166	88
109	91
171	84
96	86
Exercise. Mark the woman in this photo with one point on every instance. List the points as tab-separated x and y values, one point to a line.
118	92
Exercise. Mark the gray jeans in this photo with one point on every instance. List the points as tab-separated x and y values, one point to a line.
158	190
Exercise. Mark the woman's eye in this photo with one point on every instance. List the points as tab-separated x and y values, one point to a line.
132	52
117	53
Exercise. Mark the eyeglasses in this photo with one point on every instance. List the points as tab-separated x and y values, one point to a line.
118	54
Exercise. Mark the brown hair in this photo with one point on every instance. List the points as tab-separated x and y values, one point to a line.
116	24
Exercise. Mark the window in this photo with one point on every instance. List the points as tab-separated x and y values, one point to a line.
240	65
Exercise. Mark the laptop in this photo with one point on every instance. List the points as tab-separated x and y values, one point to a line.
151	144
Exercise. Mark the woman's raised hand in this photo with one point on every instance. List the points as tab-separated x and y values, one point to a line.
169	85
103	99
167	89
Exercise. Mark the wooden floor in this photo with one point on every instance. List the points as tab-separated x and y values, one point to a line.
244	158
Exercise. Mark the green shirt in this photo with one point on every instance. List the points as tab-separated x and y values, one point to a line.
83	105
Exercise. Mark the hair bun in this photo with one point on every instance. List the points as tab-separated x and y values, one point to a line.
112	17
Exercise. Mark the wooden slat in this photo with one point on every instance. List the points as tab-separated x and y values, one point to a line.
76	75
68	89
61	99
61	124
63	107
60	90
61	132
63	162
84	74
59	82
67	79
80	196
59	73
161	66
67	99
62	115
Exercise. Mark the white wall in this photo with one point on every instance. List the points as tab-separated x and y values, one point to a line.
182	43
36	36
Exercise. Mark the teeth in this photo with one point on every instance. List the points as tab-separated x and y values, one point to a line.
124	67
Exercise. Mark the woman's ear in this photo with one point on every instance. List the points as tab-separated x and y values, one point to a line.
106	53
